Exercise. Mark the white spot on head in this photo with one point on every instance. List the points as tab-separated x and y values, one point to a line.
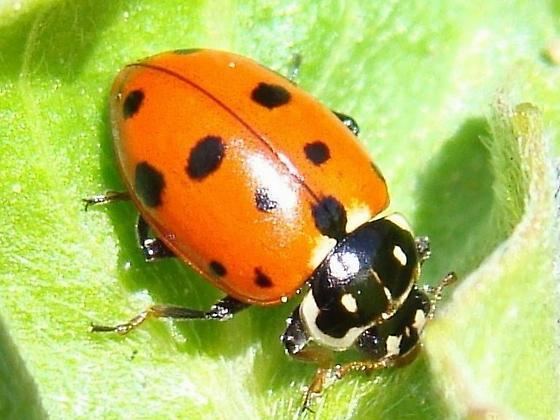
393	345
284	299
323	246
349	303
356	215
344	265
399	254
309	312
419	320
231	64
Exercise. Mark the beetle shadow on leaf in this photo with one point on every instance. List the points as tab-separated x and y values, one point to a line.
20	397
455	199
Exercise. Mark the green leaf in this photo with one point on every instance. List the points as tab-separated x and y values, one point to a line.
418	77
494	348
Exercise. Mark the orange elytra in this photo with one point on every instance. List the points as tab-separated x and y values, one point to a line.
238	171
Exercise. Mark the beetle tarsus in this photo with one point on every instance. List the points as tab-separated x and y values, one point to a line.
108	197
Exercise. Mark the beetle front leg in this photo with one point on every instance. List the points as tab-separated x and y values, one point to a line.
153	248
222	310
298	345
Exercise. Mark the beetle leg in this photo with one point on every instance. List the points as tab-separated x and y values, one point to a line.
365	366
108	197
153	248
437	292
222	310
423	248
295	65
298	345
328	376
349	122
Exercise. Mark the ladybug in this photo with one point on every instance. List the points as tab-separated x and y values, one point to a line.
266	192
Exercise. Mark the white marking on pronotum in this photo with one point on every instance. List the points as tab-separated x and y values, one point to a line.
357	215
344	265
349	303
323	245
393	345
399	220
399	254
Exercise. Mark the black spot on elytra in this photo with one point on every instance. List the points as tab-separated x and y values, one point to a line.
205	157
270	96
148	184
317	152
218	268
263	200
132	103
330	217
186	51
262	280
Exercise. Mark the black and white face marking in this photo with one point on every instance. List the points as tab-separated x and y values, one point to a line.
361	283
338	339
400	334
295	338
